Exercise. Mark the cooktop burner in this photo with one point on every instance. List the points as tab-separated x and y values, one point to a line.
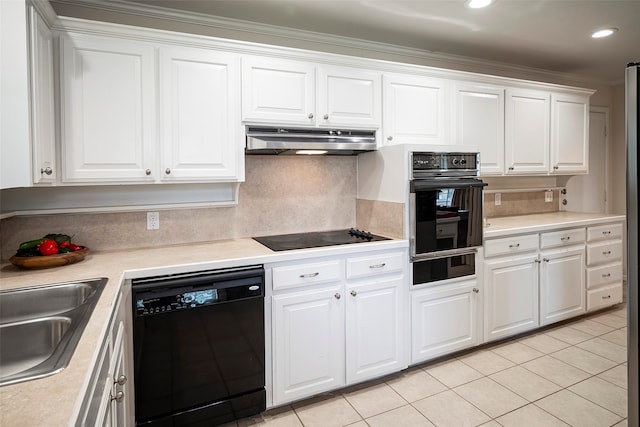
284	242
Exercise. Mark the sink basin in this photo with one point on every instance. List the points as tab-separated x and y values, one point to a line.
40	327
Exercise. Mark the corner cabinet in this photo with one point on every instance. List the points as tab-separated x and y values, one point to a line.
112	96
335	322
303	93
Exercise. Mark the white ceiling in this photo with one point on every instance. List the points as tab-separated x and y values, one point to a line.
546	34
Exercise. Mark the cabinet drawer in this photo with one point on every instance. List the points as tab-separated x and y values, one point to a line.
601	275
604	232
510	245
554	239
603	297
373	265
307	274
608	251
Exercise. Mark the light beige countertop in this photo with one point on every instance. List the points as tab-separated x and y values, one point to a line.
53	400
535	223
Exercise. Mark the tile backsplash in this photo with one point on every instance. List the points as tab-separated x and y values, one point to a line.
520	203
282	194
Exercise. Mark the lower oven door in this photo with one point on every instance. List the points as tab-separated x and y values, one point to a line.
445	215
443	268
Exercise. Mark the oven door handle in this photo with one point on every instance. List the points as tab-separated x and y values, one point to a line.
443	254
439	183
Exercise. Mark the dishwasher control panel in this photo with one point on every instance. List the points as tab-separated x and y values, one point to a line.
150	304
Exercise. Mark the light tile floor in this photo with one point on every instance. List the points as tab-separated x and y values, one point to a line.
574	374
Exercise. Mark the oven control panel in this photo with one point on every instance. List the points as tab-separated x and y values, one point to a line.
444	164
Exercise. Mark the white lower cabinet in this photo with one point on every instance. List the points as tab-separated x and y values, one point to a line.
604	266
108	400
562	284
328	331
443	319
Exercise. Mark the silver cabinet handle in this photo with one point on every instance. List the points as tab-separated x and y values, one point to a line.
167	171
545	259
606	232
476	290
381	265
147	172
510	168
607	297
122	380
517	245
336	295
565	239
326	117
555	168
389	138
538	261
308	275
606	275
119	397
353	293
606	252
310	115
46	171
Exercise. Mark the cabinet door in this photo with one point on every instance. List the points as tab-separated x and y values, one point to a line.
119	408
562	285
373	328
278	92
526	132
43	132
443	320
108	109
569	134
201	130
511	296
349	97
308	343
413	110
480	122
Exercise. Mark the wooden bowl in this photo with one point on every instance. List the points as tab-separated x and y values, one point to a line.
48	261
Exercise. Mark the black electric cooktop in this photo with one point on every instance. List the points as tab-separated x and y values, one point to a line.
284	242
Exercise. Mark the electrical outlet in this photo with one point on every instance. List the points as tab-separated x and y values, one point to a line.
497	198
548	196
153	220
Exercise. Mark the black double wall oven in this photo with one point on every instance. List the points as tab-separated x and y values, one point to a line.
445	203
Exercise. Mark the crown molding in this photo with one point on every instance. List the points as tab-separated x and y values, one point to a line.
328	40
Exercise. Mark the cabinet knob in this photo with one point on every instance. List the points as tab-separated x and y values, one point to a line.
510	168
545	259
353	293
326	117
119	397
337	295
476	290
122	380
310	115
389	138
46	171
167	171
538	261
147	172
555	168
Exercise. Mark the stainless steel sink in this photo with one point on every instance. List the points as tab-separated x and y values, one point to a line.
40	327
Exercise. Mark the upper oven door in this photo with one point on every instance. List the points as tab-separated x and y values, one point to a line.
445	216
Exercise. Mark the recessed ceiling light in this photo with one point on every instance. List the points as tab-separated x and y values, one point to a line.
603	33
477	4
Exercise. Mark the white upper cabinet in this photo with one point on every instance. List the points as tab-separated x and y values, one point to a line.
200	120
278	91
302	93
43	129
108	109
527	132
349	97
569	134
414	109
479	115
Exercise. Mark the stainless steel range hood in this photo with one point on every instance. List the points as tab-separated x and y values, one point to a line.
279	140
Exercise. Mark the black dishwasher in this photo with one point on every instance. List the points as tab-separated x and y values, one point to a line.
198	343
